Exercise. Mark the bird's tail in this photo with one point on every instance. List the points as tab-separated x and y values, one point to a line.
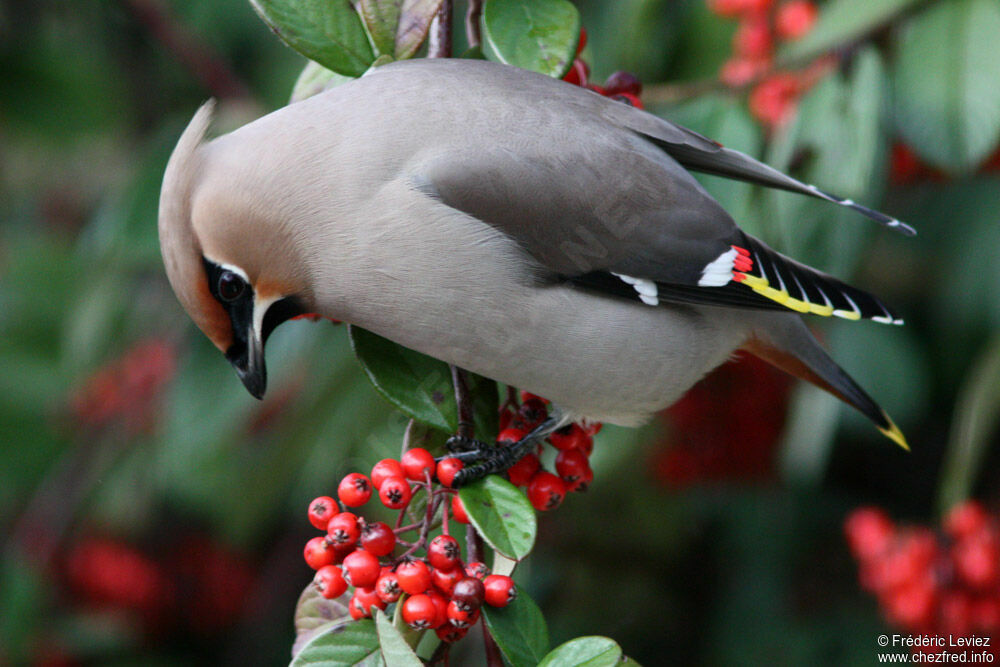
793	349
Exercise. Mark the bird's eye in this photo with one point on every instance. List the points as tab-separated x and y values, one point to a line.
231	286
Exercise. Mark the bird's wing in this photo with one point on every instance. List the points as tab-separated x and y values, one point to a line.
617	215
699	153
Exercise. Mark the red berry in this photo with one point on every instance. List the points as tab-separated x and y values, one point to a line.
528	396
571	465
752	39
368	598
414	576
387	587
571	437
772	101
354	490
356	610
499	590
330	582
581	483
966	519
912	606
521	472
320	511
795	18
449	634
419	612
461	617
361	569
977	560
378	539
477	569
532	413
955	613
395	493
343	529
447	469
869	532
318	553
986	615
386	468
735	8
445	580
738	72
458	510
441	605
469	592
623	82
578	73
444	552
418	463
509	436
546	491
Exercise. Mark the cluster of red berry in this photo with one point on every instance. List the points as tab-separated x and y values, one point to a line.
192	585
761	24
931	583
125	389
620	86
703	443
441	591
573	444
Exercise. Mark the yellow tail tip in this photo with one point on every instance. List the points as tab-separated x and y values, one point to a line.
893	433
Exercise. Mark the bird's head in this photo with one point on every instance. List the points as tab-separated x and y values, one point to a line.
221	259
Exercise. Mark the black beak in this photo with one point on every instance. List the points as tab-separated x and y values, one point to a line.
246	354
247	357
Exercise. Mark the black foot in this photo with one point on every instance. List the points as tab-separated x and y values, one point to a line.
460	444
490	459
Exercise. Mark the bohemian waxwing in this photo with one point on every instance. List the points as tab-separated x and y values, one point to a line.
520	227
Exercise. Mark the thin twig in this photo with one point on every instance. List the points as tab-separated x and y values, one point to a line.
473	31
439	39
460	380
207	66
474	547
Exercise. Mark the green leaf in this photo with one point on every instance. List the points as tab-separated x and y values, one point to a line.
381	17
314	615
842	22
327	31
725	119
540	35
519	630
584	652
395	650
349	644
398	27
414	22
315	79
977	413
502	515
946	76
485	399
838	132
418	385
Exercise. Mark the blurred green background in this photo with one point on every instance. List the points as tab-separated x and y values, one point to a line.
154	513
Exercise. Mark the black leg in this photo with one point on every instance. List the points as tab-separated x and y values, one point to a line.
492	459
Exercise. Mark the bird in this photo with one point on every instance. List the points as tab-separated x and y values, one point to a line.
507	223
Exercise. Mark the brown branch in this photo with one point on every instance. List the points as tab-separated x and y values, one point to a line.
207	66
466	421
473	31
439	39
